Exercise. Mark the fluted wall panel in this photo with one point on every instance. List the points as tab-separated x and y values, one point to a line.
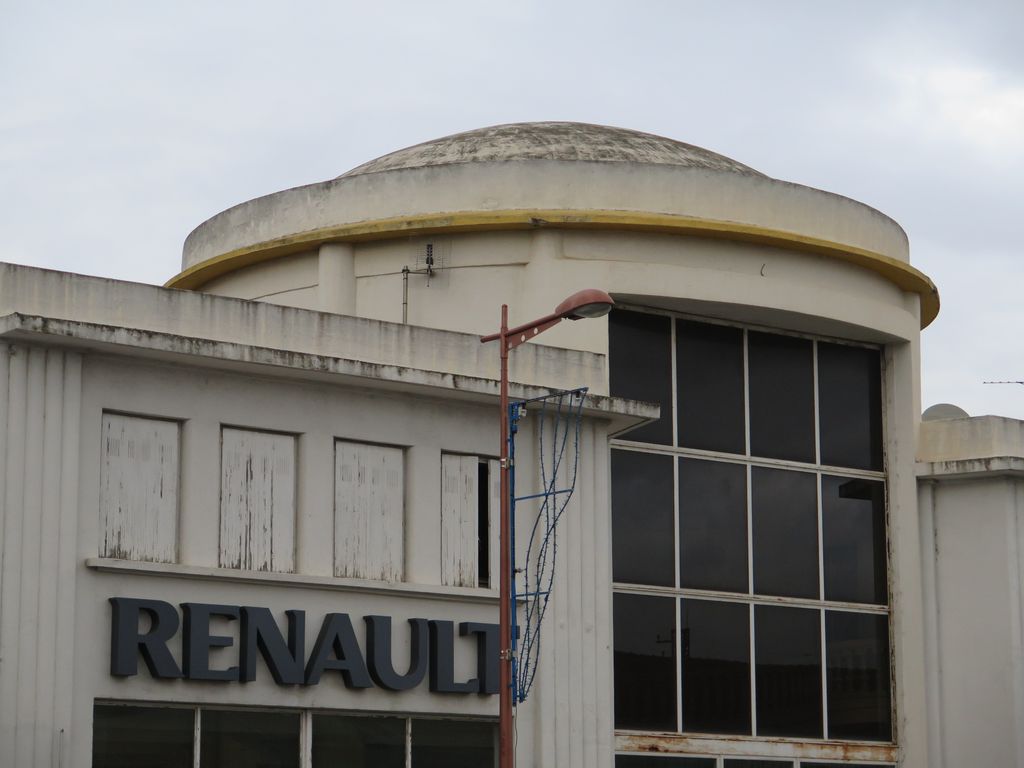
40	393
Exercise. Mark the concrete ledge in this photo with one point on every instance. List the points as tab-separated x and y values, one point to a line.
139	309
301	581
970	439
621	413
967	469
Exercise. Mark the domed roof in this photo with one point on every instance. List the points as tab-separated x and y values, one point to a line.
579	142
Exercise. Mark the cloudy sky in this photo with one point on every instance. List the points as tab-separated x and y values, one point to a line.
123	125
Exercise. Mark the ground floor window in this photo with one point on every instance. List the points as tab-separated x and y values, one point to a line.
127	736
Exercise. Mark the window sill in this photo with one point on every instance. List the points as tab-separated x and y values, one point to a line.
752	746
301	581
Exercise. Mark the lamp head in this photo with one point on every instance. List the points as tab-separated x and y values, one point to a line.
590	302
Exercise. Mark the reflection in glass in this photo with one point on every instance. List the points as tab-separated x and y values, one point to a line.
845	765
358	742
859	704
853	532
640	367
709	380
781	396
642	519
850	406
156	737
712	525
761	764
645	662
784	508
256	739
788	671
646	761
452	744
716	666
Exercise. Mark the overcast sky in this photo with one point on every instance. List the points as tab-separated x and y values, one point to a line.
123	125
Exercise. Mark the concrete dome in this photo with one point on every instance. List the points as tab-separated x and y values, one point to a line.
570	178
570	142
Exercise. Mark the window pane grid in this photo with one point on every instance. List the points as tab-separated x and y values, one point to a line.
836	543
128	734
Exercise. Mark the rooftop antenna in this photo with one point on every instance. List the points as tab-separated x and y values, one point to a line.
429	260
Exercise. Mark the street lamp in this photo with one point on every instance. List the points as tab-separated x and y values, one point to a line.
587	303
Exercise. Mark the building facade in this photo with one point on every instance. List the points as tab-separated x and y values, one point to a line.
249	517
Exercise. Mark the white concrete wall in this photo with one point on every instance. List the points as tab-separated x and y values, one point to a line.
533	271
40	423
972	532
971	491
547	184
55	583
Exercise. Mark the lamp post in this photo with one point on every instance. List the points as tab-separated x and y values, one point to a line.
587	303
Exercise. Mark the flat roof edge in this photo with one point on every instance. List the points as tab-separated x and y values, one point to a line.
120	340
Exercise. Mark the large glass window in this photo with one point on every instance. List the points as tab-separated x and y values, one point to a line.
757	502
365	742
129	736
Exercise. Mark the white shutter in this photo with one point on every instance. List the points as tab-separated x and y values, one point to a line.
459	499
494	521
139	488
257	500
369	511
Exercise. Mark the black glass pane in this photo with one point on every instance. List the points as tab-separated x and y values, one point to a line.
257	739
716	666
859	705
788	658
784	507
850	406
853	534
712	525
452	744
647	761
128	737
846	765
709	378
358	742
642	519
760	764
640	367
781	397
645	662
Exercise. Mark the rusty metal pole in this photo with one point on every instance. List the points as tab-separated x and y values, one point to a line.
506	758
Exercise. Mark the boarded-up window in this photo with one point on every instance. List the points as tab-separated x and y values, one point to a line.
469	500
369	511
257	500
139	488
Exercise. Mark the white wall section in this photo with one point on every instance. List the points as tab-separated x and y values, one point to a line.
40	394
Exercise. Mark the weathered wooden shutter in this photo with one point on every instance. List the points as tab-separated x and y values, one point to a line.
369	511
139	488
257	500
493	520
459	513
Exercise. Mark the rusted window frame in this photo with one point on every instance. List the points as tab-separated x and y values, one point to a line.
721	747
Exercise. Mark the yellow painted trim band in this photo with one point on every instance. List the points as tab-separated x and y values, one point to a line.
899	273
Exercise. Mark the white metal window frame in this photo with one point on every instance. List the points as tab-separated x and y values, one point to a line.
305	722
880	753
